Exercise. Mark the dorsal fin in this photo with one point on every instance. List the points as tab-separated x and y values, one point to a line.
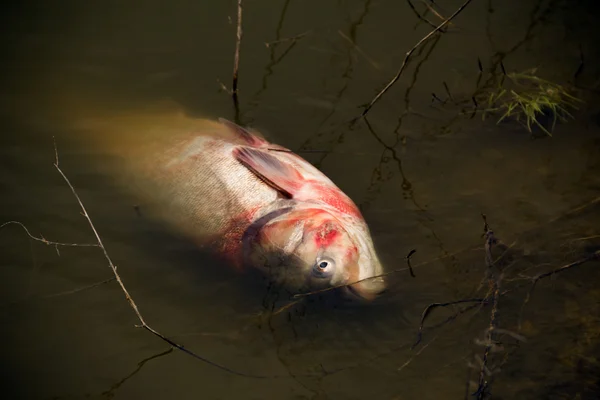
248	137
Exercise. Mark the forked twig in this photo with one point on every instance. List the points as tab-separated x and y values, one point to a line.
409	53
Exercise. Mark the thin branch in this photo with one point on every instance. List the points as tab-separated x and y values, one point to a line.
285	307
80	289
110	392
483	384
236	60
437	14
293	39
422	18
236	64
410	254
534	280
422	349
409	53
359	50
44	240
130	300
432	306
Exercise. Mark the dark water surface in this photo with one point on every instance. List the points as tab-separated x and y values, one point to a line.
421	173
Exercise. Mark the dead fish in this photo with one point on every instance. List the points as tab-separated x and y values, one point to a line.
258	204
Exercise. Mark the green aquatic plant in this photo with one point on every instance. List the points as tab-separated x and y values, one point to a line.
530	100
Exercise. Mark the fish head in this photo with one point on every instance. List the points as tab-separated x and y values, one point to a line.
313	249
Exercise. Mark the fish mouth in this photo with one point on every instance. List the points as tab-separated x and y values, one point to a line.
367	290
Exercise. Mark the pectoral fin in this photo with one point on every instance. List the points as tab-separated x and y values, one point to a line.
276	173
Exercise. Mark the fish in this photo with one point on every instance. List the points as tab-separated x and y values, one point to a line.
259	205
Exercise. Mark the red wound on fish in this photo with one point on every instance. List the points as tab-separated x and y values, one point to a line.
276	173
326	235
338	200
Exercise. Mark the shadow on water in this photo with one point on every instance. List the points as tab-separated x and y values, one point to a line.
421	172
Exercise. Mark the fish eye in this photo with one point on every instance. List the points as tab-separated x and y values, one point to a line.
323	268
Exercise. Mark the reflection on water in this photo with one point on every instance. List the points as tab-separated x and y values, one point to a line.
98	72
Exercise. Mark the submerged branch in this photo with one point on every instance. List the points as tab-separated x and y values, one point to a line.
111	392
287	39
537	278
128	297
409	53
432	306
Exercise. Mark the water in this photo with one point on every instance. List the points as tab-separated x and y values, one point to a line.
78	70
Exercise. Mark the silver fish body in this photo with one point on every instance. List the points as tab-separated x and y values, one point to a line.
258	204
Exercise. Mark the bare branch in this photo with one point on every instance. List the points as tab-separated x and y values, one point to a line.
236	64
534	280
80	289
422	18
44	240
482	383
359	50
432	306
293	39
236	60
128	297
409	53
111	392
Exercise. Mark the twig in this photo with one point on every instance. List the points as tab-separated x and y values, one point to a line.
432	306
534	280
494	281
448	92
358	49
236	60
437	14
285	307
130	300
59	294
293	39
418	353
408	54
422	18
483	384
236	64
410	254
80	289
110	392
44	240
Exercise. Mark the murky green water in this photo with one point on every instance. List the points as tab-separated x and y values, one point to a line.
421	173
